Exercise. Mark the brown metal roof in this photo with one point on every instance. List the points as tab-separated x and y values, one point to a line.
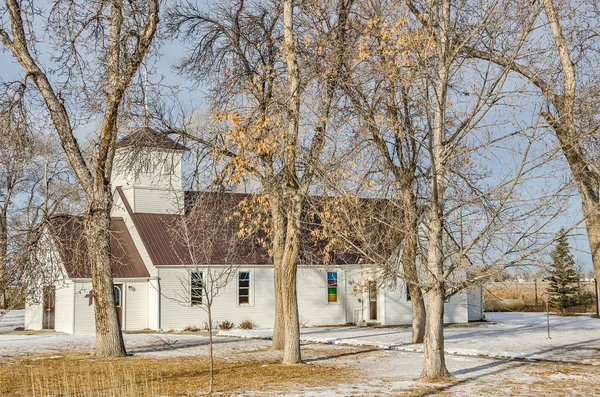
148	137
67	232
161	234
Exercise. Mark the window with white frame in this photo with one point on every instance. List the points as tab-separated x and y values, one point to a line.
196	285
244	288
332	286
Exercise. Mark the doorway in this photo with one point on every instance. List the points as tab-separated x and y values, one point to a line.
372	300
49	303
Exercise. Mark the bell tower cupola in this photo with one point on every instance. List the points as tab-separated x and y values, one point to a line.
147	167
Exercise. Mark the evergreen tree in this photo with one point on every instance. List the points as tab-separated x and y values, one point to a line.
564	288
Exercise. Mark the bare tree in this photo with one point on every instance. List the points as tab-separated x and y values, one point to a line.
99	47
565	75
475	215
212	251
380	88
241	45
15	154
35	183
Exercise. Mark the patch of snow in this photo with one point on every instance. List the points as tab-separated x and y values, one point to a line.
505	336
263	333
393	365
11	320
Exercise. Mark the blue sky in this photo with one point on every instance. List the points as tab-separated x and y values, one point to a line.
194	97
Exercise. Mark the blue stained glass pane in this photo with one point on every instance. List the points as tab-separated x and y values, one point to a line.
244	275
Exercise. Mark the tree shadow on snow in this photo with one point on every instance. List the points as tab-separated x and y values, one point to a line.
163	344
340	355
507	365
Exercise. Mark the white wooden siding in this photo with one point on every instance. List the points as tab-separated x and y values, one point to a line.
141	301
314	309
157	201
456	310
33	316
398	311
135	304
354	299
135	300
63	309
475	302
313	305
154	299
84	313
161	176
177	312
52	272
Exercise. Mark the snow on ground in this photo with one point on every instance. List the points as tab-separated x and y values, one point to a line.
47	342
505	335
11	320
389	363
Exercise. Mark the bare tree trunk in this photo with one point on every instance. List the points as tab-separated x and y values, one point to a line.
289	265
409	264
3	264
286	247
278	226
278	328
591	213
434	366
109	339
418	310
211	373
4	243
291	349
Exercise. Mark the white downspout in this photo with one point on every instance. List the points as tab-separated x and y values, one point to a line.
74	308
345	297
159	314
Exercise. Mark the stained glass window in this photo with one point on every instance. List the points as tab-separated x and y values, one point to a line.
332	285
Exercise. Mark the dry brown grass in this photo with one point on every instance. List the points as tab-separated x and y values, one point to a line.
81	376
544	380
526	291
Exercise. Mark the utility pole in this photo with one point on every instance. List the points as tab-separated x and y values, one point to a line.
536	296
548	318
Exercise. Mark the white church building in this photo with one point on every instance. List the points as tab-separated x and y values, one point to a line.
156	288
